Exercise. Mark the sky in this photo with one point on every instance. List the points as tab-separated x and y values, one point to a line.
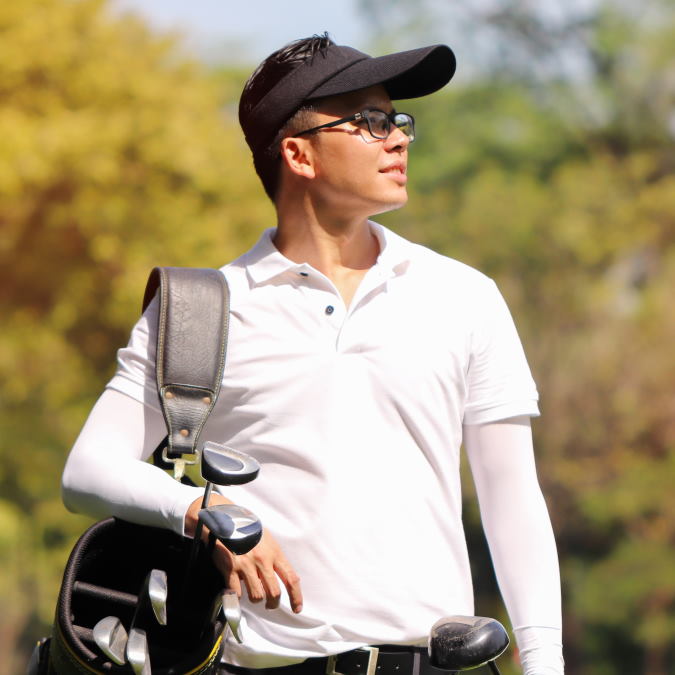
248	31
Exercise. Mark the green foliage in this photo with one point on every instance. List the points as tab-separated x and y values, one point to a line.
570	209
117	154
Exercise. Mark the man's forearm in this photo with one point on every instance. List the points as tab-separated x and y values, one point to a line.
519	533
106	473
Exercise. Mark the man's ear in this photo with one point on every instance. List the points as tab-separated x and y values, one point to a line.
296	154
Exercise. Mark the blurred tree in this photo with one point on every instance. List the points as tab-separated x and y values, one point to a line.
116	155
552	171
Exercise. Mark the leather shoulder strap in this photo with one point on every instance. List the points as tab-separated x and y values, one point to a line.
191	345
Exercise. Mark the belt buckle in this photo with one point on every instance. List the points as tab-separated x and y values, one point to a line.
373	653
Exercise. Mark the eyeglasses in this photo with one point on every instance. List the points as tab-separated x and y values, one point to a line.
379	123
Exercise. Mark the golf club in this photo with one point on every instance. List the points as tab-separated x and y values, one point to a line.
157	593
137	652
220	465
232	610
150	607
236	527
111	638
466	642
227	602
151	600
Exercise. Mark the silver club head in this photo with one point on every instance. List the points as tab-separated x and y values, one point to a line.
111	638
157	592
223	465
232	610
216	608
137	652
238	528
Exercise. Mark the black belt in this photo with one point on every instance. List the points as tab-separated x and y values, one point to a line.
379	660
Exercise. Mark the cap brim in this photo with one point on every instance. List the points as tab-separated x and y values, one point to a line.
408	74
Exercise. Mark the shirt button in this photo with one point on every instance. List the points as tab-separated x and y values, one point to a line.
330	309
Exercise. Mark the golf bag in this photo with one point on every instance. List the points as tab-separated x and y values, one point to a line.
112	559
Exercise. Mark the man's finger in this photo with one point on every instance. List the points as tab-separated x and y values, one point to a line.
234	583
248	573
292	583
272	589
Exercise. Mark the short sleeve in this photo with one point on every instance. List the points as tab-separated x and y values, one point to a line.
499	381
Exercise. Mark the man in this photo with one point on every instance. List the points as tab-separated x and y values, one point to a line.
357	365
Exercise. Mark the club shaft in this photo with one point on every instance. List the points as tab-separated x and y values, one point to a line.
198	529
207	495
194	547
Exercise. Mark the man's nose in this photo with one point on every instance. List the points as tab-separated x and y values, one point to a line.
396	140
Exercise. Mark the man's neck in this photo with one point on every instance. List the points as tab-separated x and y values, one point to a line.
344	250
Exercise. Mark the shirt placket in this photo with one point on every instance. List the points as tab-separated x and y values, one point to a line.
325	299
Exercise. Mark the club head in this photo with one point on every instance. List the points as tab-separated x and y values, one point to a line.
466	642
216	608
232	611
111	638
223	465
137	652
157	593
236	527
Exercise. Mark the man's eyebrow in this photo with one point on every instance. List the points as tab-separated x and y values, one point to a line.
377	107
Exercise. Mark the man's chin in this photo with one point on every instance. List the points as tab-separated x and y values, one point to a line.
392	206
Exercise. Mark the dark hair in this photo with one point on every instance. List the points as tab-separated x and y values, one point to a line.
277	65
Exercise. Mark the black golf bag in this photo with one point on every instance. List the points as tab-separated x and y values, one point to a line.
103	576
111	560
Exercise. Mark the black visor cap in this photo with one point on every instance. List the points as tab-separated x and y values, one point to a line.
338	70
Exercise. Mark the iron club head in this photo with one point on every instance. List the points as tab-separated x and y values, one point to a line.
111	638
157	593
227	602
232	610
137	652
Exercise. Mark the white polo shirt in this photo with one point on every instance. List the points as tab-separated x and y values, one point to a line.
355	415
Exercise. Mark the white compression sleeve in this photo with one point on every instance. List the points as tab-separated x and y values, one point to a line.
106	475
518	529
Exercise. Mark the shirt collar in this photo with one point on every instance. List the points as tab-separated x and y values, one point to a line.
264	261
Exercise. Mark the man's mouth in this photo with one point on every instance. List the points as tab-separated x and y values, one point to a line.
396	173
394	168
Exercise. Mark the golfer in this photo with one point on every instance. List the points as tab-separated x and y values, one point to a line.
358	364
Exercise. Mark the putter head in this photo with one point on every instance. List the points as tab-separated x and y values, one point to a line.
223	465
236	527
232	610
158	592
137	652
466	642
111	638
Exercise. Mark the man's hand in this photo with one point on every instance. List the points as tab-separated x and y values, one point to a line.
259	570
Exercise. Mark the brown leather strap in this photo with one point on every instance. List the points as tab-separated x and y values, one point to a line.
191	346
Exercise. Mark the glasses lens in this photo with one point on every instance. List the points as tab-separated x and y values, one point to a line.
378	123
406	124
